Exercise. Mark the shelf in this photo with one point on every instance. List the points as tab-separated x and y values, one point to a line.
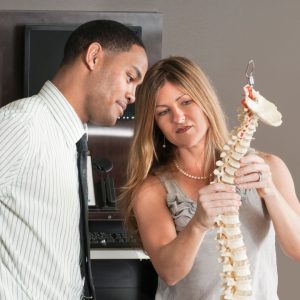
103	215
118	254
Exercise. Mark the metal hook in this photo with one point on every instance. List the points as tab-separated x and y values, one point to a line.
249	72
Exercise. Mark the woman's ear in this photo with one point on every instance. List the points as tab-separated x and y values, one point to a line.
93	55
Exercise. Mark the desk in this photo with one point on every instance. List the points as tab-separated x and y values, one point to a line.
119	273
118	254
123	274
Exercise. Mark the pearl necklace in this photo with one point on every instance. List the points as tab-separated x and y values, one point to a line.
189	175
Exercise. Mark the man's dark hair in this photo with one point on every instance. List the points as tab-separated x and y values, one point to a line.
111	35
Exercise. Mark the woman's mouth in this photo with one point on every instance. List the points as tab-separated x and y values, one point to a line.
183	129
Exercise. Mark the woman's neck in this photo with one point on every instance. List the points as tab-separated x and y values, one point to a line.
191	159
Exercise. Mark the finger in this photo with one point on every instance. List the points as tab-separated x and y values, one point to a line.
216	187
256	184
219	196
222	210
250	178
253	178
222	203
251	158
252	168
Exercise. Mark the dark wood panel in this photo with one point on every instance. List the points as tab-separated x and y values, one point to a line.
112	144
109	143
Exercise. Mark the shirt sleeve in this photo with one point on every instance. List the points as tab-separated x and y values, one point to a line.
14	144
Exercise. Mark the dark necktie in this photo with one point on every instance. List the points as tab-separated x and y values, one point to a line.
85	261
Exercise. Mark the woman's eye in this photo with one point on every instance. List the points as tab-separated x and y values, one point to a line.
162	113
187	102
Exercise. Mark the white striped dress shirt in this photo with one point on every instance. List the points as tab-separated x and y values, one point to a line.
39	201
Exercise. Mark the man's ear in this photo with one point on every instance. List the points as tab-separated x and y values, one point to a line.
93	55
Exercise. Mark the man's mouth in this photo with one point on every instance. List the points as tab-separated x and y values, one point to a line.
123	104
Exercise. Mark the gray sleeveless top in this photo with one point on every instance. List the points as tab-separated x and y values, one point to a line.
203	281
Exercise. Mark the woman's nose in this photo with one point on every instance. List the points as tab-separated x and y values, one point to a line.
178	116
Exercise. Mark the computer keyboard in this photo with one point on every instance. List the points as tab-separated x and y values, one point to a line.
112	240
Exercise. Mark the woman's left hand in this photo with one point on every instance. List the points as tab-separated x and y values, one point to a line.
255	173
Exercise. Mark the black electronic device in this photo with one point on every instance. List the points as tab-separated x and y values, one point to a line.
107	191
100	239
108	232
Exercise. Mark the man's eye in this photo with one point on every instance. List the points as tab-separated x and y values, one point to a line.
130	78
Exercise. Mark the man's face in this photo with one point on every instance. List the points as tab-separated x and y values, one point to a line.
113	85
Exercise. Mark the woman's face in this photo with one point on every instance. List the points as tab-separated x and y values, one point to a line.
180	119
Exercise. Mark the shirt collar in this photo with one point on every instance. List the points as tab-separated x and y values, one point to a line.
63	113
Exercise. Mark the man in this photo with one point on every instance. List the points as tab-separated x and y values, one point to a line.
40	251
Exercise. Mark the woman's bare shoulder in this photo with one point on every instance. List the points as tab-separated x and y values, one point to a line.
150	187
273	160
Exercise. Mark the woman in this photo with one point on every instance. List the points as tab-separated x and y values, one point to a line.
170	203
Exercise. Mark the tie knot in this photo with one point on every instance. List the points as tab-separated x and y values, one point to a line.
81	145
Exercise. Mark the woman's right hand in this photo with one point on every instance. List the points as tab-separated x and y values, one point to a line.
216	199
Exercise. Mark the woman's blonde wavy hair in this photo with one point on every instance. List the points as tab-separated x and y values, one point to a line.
147	156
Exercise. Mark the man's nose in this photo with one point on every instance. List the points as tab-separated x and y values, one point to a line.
130	95
130	98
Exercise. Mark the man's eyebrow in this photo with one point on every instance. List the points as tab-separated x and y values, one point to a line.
138	72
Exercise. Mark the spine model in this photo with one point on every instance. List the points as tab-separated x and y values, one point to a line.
236	275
